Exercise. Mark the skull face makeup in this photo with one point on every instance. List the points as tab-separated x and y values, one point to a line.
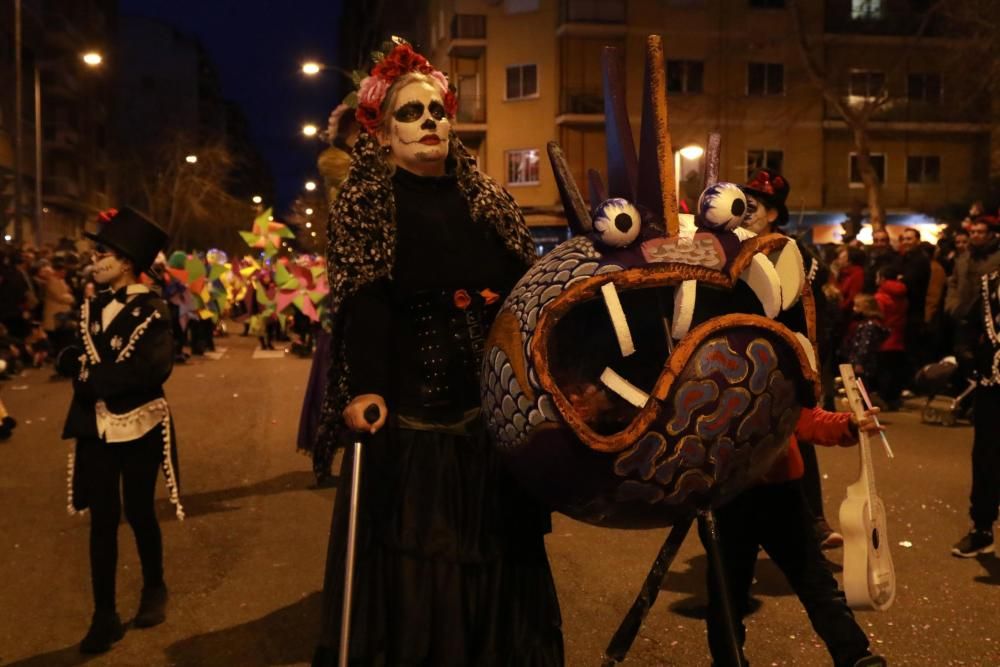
758	216
110	268
417	132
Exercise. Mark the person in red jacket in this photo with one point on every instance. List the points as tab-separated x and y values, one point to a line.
851	277
774	515
892	301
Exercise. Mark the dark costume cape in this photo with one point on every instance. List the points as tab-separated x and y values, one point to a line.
362	242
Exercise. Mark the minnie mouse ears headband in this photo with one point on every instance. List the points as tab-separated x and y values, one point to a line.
397	58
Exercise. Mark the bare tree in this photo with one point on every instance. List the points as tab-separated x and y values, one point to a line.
858	112
182	183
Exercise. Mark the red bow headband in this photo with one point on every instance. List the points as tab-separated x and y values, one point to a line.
106	216
762	182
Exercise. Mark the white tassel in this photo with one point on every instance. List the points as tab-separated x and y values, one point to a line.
168	469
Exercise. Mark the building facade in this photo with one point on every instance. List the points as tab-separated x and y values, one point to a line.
529	72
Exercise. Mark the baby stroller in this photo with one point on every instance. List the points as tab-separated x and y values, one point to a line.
947	398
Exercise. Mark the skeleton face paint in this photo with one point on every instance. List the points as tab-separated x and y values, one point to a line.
419	127
108	268
758	219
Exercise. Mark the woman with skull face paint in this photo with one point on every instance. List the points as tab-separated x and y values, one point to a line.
451	563
120	418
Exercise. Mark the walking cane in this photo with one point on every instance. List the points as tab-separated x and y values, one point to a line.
371	416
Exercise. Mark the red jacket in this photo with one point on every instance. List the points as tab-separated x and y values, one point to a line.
891	297
816	425
850	282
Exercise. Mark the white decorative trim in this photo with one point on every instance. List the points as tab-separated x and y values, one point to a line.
624	388
136	335
132	425
69	483
88	342
988	311
618	319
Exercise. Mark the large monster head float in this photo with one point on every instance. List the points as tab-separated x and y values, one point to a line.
654	363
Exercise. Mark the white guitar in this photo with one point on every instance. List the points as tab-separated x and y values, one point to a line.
869	578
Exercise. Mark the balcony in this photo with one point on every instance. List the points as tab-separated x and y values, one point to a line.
471	109
592	18
582	101
61	138
876	20
61	186
468	35
902	113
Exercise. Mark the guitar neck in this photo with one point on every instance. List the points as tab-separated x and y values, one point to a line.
864	440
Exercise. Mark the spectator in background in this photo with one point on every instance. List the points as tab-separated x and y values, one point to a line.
879	253
58	308
14	290
915	273
934	325
982	257
892	301
851	277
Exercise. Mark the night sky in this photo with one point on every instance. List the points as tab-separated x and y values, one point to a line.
257	47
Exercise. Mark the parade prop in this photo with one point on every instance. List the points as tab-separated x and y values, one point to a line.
266	234
869	577
655	365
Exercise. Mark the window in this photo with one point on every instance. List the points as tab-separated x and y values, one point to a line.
767	4
520	6
684	76
866	10
865	84
923	169
924	87
878	164
594	11
765	79
764	158
522	82
522	167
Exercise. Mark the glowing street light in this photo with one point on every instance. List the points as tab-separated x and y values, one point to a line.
310	185
257	199
309	225
692	152
314	233
191	159
92	58
311	68
309	211
309	130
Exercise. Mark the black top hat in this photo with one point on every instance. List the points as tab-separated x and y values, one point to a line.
771	188
131	234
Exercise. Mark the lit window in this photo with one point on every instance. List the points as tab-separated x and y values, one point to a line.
877	161
522	167
685	76
923	169
522	82
866	10
765	79
764	158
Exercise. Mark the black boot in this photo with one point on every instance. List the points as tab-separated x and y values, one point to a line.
152	607
105	629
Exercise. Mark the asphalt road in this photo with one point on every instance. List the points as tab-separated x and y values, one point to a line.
245	568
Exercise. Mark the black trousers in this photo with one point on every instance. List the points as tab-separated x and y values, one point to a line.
985	495
114	471
892	371
775	517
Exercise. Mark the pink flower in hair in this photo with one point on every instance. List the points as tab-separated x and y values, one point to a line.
372	91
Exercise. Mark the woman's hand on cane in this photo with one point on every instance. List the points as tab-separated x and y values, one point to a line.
354	413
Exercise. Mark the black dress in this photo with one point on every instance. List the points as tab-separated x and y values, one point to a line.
451	566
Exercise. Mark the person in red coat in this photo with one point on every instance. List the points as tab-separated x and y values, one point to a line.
851	277
892	301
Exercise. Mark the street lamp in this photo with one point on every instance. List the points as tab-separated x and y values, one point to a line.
191	159
692	152
310	185
309	130
257	199
309	211
689	152
92	58
309	225
311	68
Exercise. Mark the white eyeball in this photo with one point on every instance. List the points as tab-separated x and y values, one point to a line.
617	223
721	206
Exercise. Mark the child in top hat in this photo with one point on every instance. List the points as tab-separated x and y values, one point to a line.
120	418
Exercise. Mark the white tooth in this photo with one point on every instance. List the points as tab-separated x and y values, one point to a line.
684	307
624	388
744	234
791	273
762	278
618	319
687	227
810	351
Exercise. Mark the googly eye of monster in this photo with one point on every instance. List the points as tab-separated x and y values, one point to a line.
722	206
617	223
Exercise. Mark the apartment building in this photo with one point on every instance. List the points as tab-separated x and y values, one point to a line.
529	72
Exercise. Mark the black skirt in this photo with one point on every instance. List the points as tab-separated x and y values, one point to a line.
451	566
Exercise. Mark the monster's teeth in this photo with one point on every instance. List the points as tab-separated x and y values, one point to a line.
809	349
624	388
791	273
763	279
684	298
744	234
618	319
